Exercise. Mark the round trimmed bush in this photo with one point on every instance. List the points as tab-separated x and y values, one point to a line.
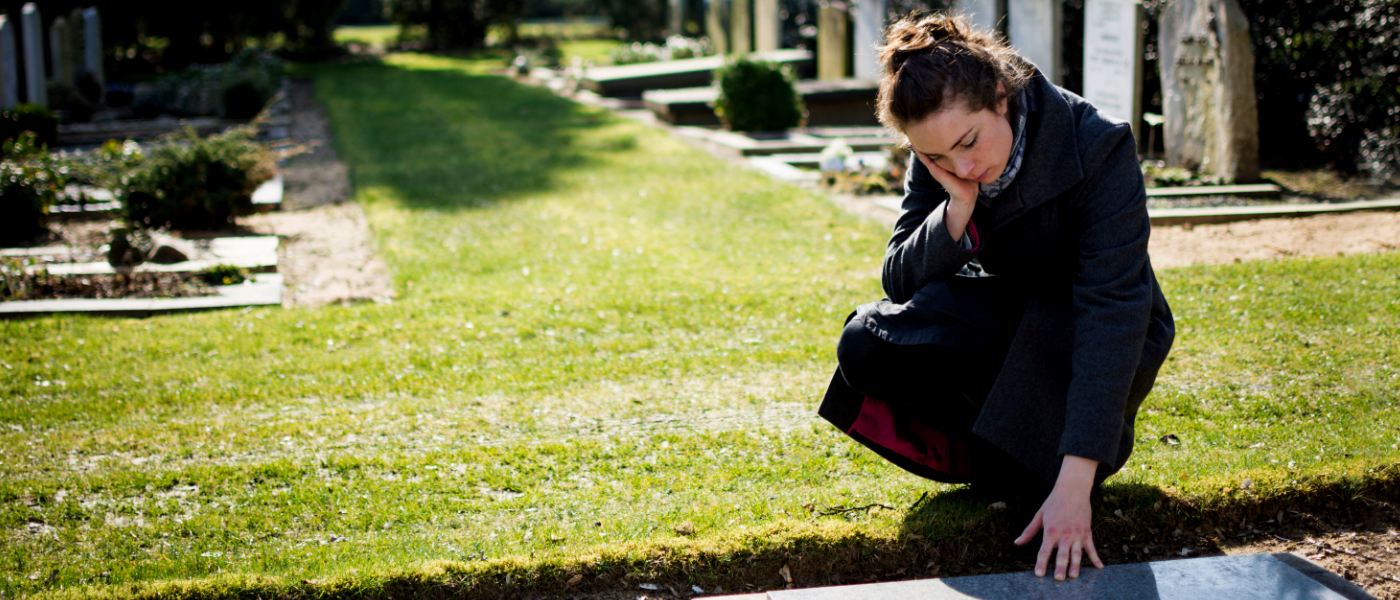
757	95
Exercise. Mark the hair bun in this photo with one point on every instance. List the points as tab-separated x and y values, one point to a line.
913	35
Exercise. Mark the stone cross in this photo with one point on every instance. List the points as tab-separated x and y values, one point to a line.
869	34
984	14
715	25
1212	120
36	89
92	47
1034	29
9	66
833	51
740	27
61	59
1113	58
767	25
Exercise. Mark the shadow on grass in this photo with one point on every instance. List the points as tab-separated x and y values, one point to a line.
944	535
442	137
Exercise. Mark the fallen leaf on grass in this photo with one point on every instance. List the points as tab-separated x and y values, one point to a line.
1171	440
649	586
573	580
786	574
995	506
686	528
1246	484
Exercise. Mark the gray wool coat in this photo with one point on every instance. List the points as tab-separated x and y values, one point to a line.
1072	229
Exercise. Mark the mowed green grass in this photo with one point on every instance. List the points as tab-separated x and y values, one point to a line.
606	344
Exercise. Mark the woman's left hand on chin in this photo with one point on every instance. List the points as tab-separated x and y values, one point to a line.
1066	518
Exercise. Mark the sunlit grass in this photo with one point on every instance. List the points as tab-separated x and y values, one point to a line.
374	35
604	341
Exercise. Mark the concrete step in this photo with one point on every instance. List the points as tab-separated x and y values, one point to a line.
633	80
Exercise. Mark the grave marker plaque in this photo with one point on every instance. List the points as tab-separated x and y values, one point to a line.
1034	29
9	66
869	34
676	16
35	86
61	59
92	47
1113	58
716	25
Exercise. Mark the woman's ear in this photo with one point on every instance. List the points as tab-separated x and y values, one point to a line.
1001	104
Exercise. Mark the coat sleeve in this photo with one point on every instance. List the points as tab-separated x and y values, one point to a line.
921	248
1112	297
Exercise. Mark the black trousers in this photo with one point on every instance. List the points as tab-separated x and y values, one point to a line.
940	388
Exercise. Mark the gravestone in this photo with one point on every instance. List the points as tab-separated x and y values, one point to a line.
767	25
1113	58
869	34
984	14
92	48
676	16
833	49
1245	577
1212	121
1034	29
36	88
740	27
716	25
61	59
9	66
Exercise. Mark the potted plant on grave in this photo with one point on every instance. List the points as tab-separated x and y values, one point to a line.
757	96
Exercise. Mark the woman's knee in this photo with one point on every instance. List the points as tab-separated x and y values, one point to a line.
855	350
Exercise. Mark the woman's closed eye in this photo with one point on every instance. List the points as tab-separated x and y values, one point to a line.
970	142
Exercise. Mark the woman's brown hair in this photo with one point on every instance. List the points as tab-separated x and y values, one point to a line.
931	62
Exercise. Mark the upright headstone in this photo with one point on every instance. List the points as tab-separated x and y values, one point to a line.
62	62
985	14
716	25
740	27
1212	120
36	88
92	47
676	16
869	34
9	66
833	49
767	25
1113	58
1034	29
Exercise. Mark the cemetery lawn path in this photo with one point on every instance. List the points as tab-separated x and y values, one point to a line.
601	371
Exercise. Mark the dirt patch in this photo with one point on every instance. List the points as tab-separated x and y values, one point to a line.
1321	235
327	253
1367	553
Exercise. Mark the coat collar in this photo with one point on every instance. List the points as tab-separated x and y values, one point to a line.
1051	165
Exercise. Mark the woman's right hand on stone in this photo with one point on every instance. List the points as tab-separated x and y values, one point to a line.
962	196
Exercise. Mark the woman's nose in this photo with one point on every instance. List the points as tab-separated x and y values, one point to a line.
964	168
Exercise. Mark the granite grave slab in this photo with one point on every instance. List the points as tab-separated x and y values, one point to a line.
632	80
1244	577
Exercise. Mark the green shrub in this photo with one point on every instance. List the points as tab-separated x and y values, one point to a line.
190	183
28	186
237	89
224	274
757	95
32	118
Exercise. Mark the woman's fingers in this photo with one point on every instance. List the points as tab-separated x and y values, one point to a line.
1029	533
1075	553
1043	558
1092	552
1062	560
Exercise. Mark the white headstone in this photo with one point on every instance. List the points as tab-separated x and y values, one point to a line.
1212	119
985	14
869	34
717	24
1113	58
1034	29
833	49
92	46
740	27
9	66
767	25
36	86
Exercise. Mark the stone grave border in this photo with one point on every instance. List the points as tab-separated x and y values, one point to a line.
775	158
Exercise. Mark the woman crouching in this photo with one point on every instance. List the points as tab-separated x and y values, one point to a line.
1023	325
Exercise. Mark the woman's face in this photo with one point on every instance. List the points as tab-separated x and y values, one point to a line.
973	146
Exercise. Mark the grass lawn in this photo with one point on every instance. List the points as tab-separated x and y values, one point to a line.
601	370
374	35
